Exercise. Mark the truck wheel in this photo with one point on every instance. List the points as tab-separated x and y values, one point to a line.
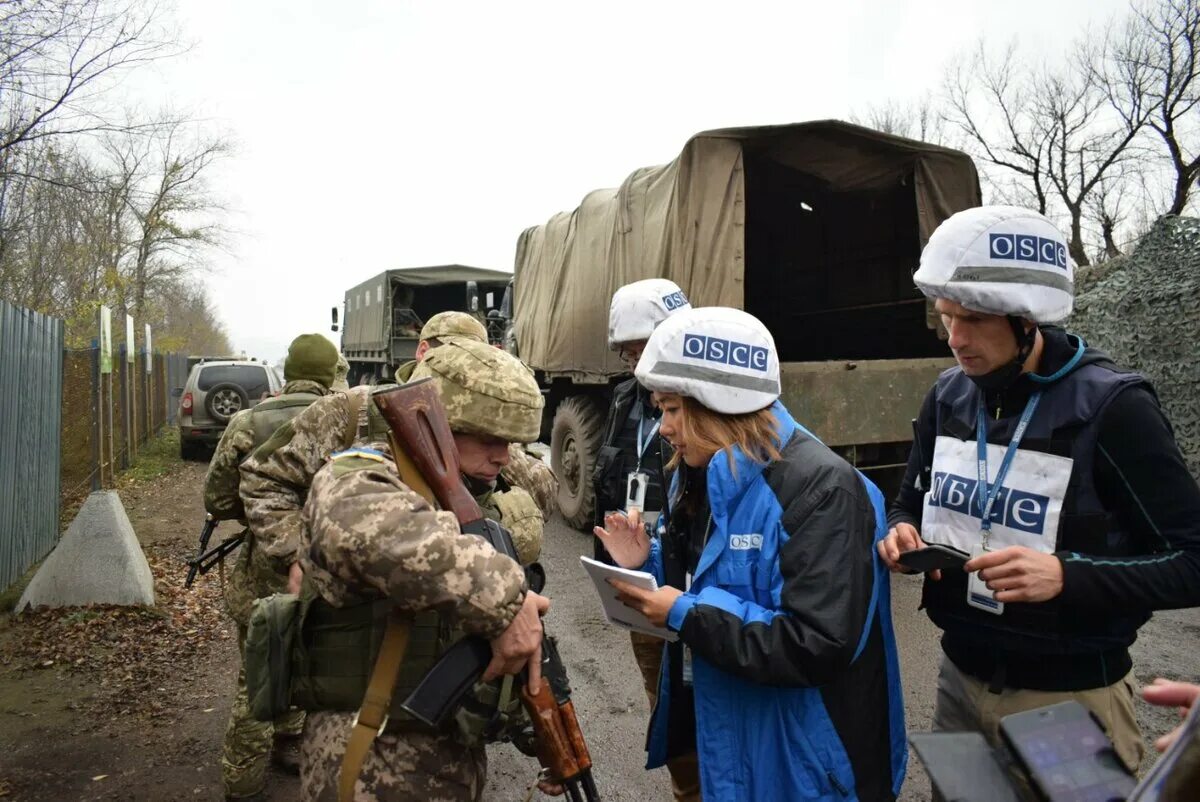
574	442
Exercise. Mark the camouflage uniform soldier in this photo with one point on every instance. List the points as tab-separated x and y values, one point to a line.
442	328
308	372
524	470
276	478
368	537
339	375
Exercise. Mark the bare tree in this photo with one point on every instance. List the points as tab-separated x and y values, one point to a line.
988	100
57	58
1152	68
1050	127
172	211
919	120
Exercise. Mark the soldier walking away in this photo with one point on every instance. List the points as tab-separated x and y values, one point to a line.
308	373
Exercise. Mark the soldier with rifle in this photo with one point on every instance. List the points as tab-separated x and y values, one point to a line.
370	545
308	373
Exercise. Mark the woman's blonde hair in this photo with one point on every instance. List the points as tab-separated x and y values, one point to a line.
754	432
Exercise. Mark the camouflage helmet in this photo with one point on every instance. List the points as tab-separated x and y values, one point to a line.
445	325
340	372
485	391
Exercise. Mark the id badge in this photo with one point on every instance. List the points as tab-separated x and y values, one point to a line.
635	491
979	595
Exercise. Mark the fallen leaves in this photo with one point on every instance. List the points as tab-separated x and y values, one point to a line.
133	654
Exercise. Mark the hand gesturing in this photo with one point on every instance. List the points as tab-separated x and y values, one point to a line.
625	538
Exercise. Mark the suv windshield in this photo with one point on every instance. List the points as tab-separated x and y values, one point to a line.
251	378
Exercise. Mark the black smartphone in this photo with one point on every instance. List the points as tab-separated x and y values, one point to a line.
931	557
1067	755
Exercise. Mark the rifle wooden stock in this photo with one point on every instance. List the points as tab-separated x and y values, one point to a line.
417	420
553	742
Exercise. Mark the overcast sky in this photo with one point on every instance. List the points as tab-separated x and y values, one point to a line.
379	135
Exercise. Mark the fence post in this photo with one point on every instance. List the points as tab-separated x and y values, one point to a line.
146	398
127	446
97	426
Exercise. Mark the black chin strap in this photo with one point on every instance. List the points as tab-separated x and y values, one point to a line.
1003	376
1025	339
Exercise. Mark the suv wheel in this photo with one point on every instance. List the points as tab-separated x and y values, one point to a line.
224	401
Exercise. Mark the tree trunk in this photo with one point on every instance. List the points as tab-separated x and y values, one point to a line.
1111	249
1078	252
1183	186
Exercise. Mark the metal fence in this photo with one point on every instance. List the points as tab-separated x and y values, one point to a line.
31	352
66	429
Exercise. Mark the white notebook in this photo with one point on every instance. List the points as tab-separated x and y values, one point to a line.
616	612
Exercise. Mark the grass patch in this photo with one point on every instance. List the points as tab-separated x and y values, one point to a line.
157	457
12	594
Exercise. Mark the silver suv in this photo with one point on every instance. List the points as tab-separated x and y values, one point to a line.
214	393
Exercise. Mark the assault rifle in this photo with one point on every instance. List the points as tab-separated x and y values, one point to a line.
425	453
206	558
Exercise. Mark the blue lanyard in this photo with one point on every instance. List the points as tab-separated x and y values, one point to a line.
643	445
981	443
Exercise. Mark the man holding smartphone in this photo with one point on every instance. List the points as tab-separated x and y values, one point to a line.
1056	471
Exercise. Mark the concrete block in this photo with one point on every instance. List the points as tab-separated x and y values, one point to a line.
98	561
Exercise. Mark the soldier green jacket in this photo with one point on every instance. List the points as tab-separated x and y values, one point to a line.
253	576
221	498
276	478
367	537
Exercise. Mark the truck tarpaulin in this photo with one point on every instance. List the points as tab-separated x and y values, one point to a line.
686	221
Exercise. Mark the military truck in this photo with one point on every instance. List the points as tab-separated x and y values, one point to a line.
815	228
384	314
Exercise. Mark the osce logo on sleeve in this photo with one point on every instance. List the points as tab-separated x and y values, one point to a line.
745	542
1028	248
726	352
1015	509
674	301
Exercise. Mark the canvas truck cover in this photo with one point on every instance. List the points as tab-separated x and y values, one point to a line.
685	221
368	305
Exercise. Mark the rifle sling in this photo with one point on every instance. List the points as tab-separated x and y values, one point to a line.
373	715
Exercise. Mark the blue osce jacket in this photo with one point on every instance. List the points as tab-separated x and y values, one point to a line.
796	677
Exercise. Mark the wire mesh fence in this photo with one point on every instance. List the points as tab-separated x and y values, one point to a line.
66	429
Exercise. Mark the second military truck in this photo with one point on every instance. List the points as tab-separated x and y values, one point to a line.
384	314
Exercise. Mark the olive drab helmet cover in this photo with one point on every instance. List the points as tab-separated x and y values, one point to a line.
724	358
484	390
340	372
445	325
1000	260
638	308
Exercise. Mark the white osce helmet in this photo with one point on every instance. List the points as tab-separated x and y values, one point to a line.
637	308
1000	260
724	358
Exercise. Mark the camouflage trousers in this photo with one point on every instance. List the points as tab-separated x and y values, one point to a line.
248	741
400	766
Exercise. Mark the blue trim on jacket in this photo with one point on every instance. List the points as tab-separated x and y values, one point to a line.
759	742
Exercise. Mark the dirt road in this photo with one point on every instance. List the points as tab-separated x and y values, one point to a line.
113	705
